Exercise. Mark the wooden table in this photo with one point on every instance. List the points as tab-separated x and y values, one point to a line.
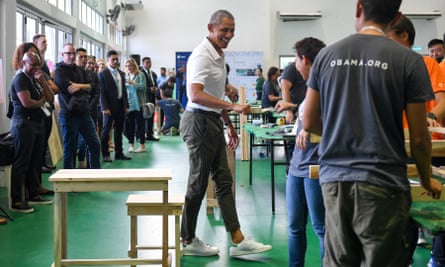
92	180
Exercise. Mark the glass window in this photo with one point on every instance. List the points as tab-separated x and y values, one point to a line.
68	5
51	50
19	28
61	4
89	16
101	25
31	27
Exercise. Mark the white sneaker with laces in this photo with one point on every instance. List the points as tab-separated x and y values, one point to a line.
248	246
198	248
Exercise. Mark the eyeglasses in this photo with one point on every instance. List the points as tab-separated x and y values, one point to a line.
69	53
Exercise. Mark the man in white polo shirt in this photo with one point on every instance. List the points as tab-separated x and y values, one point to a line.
203	132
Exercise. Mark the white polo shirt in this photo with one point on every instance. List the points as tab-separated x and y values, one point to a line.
205	66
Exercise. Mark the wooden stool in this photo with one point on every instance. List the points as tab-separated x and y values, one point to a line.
138	205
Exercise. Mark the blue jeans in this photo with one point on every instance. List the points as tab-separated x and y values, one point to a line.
71	127
303	195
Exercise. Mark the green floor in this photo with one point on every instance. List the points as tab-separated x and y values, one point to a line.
99	226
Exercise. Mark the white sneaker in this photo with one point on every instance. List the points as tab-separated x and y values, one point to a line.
198	248
248	246
140	150
130	149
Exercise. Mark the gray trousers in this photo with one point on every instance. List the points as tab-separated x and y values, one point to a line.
203	134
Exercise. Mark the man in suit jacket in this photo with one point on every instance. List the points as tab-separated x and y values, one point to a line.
114	105
152	87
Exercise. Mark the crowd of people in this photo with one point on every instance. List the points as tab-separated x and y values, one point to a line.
95	100
359	208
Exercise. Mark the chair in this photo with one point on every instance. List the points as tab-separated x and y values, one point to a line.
146	205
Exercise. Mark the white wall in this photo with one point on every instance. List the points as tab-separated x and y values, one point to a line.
164	27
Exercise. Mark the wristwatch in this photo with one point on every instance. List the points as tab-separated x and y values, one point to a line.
431	116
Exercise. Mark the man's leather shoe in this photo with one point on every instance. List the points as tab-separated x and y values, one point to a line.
52	167
152	138
46	169
107	159
121	157
46	192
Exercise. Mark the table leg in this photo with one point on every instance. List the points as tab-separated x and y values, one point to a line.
251	137
60	235
272	174
165	229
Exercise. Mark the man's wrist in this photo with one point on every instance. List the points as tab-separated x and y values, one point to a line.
431	116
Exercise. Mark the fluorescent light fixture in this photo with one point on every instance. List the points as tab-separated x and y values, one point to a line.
298	16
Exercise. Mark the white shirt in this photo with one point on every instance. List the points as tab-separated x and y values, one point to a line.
205	66
117	79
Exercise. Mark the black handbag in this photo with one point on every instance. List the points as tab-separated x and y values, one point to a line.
6	149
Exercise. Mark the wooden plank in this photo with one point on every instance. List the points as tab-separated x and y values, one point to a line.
79	175
55	142
244	136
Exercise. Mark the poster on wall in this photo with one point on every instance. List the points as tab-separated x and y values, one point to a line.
243	65
181	64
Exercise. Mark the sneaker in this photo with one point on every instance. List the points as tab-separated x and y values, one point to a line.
421	242
21	207
38	200
140	150
174	131
130	149
248	246
198	248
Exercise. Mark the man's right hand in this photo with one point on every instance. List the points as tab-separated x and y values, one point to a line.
434	188
107	112
244	109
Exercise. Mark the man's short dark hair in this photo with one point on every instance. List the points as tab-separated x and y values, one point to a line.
435	42
215	19
146	58
168	92
81	49
112	53
37	37
380	11
309	47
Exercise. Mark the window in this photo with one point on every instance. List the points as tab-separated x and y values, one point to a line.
64	5
89	16
19	28
51	50
93	47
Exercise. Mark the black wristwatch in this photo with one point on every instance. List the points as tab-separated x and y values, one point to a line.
431	116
